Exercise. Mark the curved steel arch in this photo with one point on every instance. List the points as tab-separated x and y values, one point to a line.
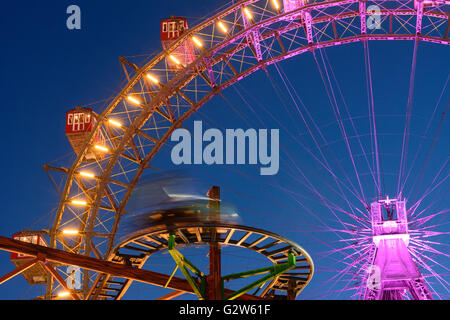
246	47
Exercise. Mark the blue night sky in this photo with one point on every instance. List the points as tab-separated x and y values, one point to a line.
48	69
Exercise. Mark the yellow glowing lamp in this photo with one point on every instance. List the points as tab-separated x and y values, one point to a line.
101	148
70	232
79	202
248	14
63	294
222	27
276	4
152	78
115	123
174	59
197	42
133	100
87	174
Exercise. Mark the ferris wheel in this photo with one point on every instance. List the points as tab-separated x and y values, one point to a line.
115	146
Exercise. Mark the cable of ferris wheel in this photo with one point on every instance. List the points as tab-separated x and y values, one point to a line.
283	75
430	151
428	191
424	136
429	253
333	102
424	245
289	87
312	189
443	197
265	109
437	201
340	209
418	257
295	139
270	114
341	273
421	222
404	153
276	90
236	109
249	105
372	173
332	204
319	195
373	126
325	164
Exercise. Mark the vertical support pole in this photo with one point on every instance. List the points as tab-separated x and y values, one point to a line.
419	15
362	15
214	279
307	20
291	292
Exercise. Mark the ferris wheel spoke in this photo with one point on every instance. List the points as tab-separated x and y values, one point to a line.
332	99
373	127
425	135
405	143
353	125
325	163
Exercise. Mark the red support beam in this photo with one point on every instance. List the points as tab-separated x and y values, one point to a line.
171	295
101	266
17	271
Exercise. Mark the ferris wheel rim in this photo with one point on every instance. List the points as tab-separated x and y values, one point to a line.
178	77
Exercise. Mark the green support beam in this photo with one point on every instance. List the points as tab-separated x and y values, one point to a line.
274	271
185	265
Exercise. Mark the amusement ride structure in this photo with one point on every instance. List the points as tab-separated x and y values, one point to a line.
114	148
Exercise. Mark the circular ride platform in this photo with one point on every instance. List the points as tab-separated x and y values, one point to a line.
139	246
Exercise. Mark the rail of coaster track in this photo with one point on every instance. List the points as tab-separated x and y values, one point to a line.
141	245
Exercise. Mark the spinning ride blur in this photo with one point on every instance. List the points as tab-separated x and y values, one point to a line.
170	200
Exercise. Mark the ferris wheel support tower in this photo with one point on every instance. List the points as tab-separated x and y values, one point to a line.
394	271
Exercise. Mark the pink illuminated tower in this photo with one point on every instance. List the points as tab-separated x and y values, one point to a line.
393	274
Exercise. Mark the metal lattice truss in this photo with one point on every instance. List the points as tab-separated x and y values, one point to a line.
160	95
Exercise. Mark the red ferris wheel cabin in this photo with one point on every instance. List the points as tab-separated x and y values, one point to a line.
171	29
80	122
35	274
